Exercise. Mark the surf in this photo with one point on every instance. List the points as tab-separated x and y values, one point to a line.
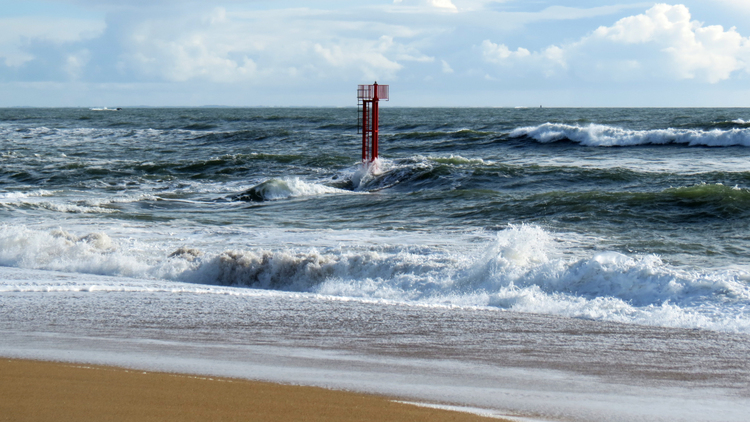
522	268
598	135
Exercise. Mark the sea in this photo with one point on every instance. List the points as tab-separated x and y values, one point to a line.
532	263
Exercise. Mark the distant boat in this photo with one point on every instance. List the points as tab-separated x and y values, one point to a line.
105	109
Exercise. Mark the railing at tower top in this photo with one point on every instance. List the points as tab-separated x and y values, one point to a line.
367	92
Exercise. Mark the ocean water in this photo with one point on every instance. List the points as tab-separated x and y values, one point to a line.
632	215
260	227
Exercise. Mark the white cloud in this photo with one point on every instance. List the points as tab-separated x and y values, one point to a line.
664	42
438	4
367	56
446	67
166	40
181	50
522	61
443	4
742	6
226	46
500	53
297	48
75	63
17	32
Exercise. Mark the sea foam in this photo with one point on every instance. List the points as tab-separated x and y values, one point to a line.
522	269
607	136
282	188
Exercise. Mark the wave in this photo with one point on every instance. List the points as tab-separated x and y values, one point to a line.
200	126
84	207
59	250
713	193
603	135
31	200
288	187
522	269
68	208
723	124
701	202
703	193
414	172
18	195
459	160
211	138
223	165
718	123
120	199
382	174
453	134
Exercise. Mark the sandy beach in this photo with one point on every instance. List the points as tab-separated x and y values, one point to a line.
45	391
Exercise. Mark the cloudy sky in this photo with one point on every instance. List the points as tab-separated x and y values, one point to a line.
431	52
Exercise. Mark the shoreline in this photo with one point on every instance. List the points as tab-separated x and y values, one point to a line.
511	365
45	390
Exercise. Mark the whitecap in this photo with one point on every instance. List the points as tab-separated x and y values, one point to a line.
523	268
288	187
603	135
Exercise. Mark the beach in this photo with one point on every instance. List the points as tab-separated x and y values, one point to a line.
45	391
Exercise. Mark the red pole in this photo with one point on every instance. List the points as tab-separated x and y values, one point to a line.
375	118
364	130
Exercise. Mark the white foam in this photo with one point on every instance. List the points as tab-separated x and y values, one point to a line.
289	187
603	135
459	160
118	199
487	413
39	200
9	197
69	208
78	202
521	269
73	138
93	253
385	173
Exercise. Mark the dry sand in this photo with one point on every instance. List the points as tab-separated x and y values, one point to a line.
46	391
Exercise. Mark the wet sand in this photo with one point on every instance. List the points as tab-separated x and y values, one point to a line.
45	391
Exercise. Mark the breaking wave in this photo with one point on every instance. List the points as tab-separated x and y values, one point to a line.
38	200
521	269
415	172
288	187
382	174
608	136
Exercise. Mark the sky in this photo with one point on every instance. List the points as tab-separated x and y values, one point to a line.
442	53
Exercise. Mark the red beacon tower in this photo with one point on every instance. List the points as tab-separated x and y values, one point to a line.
367	100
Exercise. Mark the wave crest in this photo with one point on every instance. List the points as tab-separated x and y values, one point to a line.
274	189
416	172
607	136
524	268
